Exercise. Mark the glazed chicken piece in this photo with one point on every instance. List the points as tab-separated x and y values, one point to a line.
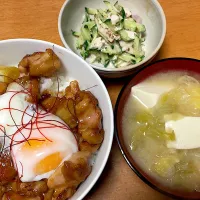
14	196
85	146
3	87
63	194
7	75
7	170
24	80
34	88
29	189
89	117
63	108
71	173
2	190
72	90
49	195
40	64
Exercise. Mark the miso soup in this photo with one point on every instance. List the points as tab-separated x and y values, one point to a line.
161	126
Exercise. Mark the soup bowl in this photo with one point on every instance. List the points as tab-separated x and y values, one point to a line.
191	66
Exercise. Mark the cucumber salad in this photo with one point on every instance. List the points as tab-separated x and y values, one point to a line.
111	37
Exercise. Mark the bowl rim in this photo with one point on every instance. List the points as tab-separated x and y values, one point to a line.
123	148
111	133
101	69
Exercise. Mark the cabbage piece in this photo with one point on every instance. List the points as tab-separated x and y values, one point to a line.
143	117
165	166
186	171
185	167
137	138
184	99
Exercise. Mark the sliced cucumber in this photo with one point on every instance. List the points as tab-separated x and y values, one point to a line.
117	48
92	58
140	27
85	33
104	58
123	14
127	57
84	53
138	52
86	18
103	13
121	63
127	46
109	24
86	45
89	25
76	34
119	26
117	6
126	36
108	49
115	28
139	59
114	58
91	11
141	36
130	58
113	49
100	17
97	43
97	55
136	43
111	7
142	39
130	24
80	41
107	63
94	32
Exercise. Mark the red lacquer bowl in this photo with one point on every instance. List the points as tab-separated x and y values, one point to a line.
162	66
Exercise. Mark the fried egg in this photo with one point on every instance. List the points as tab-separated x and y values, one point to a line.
42	145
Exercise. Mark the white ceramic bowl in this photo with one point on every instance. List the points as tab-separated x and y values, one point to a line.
12	51
153	17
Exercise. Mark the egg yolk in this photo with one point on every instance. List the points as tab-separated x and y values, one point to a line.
46	164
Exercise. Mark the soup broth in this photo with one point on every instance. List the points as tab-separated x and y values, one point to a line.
157	150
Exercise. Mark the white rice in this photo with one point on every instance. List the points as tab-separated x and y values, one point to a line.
51	84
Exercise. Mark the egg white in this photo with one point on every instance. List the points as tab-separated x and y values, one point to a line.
62	140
